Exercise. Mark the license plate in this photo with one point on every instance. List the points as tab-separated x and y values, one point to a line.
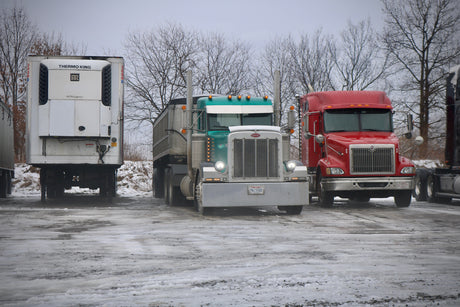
256	189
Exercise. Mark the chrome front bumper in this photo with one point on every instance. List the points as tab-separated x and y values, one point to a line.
233	194
368	184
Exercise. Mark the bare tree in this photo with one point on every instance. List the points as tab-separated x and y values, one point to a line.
360	63
313	60
223	66
156	65
16	37
277	56
422	37
54	44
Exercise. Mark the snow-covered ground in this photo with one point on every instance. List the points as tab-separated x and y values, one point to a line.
134	250
134	179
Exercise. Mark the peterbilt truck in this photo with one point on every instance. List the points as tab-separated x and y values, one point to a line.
442	184
232	155
75	122
351	150
6	149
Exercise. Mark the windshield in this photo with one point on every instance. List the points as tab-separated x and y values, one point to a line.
341	120
223	121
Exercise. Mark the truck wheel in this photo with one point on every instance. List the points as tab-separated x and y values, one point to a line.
431	188
159	182
198	202
9	185
166	186
420	188
174	195
3	185
293	210
43	184
325	198
403	198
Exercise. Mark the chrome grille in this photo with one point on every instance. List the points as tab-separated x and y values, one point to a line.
372	159
255	158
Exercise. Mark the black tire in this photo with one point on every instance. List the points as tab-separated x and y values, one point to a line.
420	188
9	185
166	185
198	200
159	182
108	186
403	199
325	198
43	184
293	210
3	185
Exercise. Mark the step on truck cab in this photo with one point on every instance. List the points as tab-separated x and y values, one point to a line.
231	155
75	122
350	148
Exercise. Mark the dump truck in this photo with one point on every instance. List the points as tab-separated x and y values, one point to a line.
75	122
440	185
351	150
225	151
6	149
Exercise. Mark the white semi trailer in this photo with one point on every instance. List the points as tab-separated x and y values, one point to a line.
6	149
75	122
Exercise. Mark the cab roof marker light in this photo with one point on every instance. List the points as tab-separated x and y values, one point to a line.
229	97
210	97
239	97
248	97
265	97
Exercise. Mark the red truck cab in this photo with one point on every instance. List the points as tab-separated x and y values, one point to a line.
350	148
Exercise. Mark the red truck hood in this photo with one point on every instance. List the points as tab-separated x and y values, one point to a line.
347	138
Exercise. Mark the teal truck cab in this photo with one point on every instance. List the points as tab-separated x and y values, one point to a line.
230	156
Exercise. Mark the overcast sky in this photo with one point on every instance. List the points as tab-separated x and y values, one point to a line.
102	25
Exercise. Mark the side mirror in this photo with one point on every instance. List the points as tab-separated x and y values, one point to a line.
410	122
305	123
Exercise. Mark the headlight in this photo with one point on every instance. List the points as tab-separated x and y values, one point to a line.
408	170
290	165
334	171
220	166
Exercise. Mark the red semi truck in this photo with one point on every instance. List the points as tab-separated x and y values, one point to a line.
350	149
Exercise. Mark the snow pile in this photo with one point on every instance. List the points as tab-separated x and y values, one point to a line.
134	179
428	163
